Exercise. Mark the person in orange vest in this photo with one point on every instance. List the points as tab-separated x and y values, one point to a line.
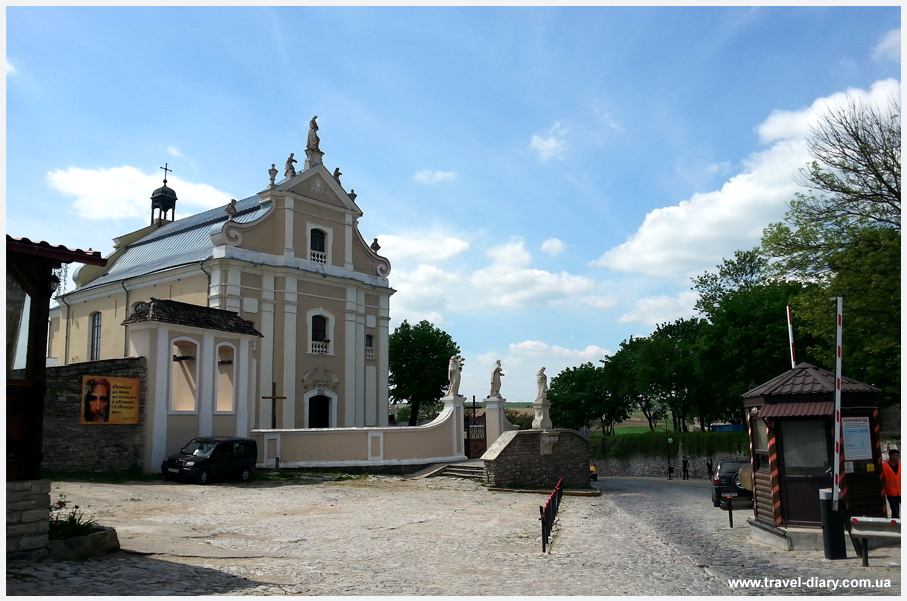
891	471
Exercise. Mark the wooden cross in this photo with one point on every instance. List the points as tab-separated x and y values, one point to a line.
274	399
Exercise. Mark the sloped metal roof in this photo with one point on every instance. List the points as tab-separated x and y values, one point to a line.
806	379
185	314
797	409
182	242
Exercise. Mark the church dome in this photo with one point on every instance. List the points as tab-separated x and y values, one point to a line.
165	192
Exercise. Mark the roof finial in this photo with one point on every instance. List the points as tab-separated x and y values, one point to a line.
165	172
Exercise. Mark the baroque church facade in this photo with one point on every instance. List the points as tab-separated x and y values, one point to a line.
289	262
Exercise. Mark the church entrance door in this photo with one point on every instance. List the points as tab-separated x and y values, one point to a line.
319	412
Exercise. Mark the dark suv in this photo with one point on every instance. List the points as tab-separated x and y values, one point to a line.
210	457
726	481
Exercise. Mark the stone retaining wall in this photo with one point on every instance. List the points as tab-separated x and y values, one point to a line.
515	459
70	446
654	466
27	513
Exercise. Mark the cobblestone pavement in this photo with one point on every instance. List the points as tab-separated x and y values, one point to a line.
683	515
385	536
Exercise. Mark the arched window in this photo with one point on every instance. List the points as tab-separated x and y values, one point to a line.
318	250
321	329
184	376
224	392
94	353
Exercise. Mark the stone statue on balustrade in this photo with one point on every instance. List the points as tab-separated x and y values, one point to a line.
496	375
542	381
453	376
541	404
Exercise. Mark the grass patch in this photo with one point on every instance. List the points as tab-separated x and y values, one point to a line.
621	430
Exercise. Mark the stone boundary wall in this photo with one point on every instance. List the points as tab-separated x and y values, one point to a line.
656	467
27	514
70	446
518	461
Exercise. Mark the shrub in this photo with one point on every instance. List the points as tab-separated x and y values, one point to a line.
655	444
519	418
68	524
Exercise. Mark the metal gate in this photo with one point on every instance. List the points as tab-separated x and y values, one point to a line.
475	436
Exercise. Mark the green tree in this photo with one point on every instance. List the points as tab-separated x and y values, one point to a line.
868	278
418	359
634	370
746	340
854	182
581	395
843	237
679	379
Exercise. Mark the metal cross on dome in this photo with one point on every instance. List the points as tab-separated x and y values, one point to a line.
165	171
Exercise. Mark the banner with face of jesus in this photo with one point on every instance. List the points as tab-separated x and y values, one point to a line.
110	400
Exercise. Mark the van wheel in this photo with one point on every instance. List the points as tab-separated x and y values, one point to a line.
245	475
203	477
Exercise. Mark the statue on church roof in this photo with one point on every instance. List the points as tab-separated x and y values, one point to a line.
230	209
273	173
337	174
290	170
313	141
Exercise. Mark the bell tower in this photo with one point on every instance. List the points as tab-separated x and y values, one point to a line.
164	200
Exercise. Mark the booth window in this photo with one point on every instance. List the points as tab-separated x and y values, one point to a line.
760	443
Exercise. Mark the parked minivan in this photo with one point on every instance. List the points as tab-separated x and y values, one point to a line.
211	457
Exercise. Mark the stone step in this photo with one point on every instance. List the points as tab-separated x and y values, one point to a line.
464	471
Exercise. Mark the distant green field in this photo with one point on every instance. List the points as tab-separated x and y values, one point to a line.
618	430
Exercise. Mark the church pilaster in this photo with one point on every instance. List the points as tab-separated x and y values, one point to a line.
289	352
288	227
266	376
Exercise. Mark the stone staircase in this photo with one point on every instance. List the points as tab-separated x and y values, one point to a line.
472	471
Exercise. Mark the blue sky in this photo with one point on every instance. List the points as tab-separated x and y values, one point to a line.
545	181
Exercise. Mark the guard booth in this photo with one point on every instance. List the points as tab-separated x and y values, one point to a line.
791	428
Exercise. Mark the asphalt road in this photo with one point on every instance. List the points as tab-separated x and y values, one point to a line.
681	513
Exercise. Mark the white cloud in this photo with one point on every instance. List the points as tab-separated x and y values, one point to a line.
553	246
508	281
889	47
426	248
125	192
600	302
427	176
550	146
174	151
653	310
683	240
10	68
533	349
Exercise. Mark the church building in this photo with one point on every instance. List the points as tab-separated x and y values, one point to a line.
275	295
